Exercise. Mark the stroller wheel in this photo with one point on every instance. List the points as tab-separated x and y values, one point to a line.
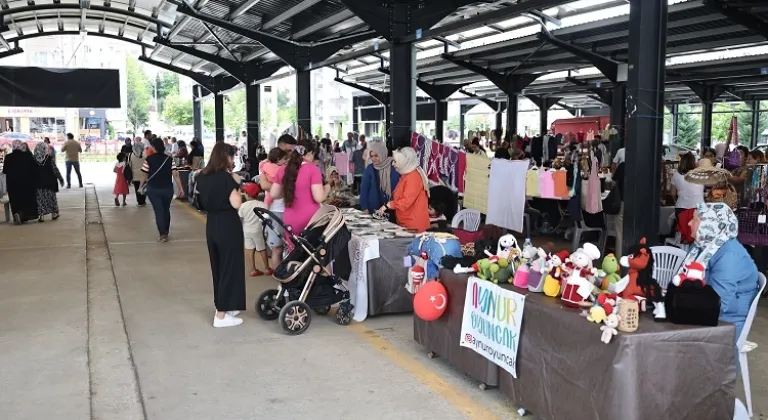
344	313
322	310
266	305
295	317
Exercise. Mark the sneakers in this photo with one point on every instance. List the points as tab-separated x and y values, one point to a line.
227	321
233	313
117	202
258	273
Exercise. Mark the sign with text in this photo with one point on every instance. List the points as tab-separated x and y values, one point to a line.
492	320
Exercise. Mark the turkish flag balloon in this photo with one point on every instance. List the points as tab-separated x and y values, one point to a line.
430	301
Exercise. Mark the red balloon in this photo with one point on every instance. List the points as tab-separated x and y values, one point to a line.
430	301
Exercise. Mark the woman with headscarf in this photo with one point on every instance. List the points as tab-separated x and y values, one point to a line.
20	170
379	179
410	199
195	155
48	180
136	161
729	268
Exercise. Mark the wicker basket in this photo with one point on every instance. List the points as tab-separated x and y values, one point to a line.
629	311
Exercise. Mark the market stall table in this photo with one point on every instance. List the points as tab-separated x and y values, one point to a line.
375	261
661	371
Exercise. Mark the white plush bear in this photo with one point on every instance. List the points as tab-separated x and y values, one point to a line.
609	329
506	244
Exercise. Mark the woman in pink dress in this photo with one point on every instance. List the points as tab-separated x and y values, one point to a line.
300	183
121	184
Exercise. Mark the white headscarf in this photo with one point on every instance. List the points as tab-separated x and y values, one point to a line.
407	161
718	225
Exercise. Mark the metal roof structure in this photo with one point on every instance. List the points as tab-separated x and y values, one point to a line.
559	41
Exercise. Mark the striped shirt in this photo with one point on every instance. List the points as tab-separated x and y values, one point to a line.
159	169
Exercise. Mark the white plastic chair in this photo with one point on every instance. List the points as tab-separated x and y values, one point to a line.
745	346
667	261
581	228
469	218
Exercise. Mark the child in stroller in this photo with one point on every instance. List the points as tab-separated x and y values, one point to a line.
306	283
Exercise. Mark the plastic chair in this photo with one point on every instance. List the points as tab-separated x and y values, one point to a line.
580	228
745	346
469	218
667	261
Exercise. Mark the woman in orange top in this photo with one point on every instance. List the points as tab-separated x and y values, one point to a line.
410	199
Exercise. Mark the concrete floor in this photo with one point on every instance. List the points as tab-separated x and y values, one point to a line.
99	321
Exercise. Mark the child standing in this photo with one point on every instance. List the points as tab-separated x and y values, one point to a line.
253	231
121	184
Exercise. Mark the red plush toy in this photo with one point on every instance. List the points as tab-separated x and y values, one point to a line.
430	301
692	272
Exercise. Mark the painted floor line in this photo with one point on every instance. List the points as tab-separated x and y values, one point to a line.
419	371
27	248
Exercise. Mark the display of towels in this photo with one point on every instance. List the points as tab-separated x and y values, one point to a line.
476	183
546	183
442	164
506	193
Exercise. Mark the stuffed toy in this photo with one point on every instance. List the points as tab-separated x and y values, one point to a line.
536	275
609	329
434	246
611	269
579	283
693	273
552	273
641	285
596	314
494	269
416	274
521	276
508	247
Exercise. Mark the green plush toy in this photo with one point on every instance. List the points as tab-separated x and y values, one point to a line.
611	269
484	269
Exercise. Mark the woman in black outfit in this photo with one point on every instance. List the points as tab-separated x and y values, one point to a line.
20	169
220	197
48	180
158	173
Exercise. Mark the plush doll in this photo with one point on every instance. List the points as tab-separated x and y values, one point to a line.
417	273
596	314
579	285
529	254
609	329
538	272
507	246
611	269
521	276
639	283
608	302
693	273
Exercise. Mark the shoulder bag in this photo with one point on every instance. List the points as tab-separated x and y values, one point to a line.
143	188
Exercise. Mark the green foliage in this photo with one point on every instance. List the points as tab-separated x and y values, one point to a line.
688	128
235	111
167	84
177	111
139	94
110	131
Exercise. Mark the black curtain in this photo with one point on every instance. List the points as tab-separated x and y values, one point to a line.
59	88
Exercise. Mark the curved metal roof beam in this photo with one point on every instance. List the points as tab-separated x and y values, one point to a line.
103	35
118	23
97	8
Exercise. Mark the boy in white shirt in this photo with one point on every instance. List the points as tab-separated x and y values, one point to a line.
253	230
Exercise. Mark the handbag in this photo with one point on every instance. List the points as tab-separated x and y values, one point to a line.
143	188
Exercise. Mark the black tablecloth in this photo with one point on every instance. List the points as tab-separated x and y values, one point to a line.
662	371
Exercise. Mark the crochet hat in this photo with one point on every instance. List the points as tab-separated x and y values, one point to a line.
563	255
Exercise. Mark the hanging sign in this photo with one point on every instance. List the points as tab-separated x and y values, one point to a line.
493	317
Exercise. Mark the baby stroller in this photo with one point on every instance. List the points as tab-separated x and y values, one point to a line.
305	282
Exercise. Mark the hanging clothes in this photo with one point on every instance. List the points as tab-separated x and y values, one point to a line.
532	183
580	136
546	184
561	184
592	196
537	149
342	163
506	194
476	183
590	135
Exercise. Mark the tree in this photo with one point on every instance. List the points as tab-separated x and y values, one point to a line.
139	93
177	111
688	128
235	111
167	84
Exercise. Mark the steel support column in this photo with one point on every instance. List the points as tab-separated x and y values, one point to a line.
499	126
642	180
706	123
402	92
755	124
218	105
619	115
355	115
388	120
675	120
304	100
197	112
512	108
253	118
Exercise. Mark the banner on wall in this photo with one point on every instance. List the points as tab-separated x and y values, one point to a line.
443	164
492	321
